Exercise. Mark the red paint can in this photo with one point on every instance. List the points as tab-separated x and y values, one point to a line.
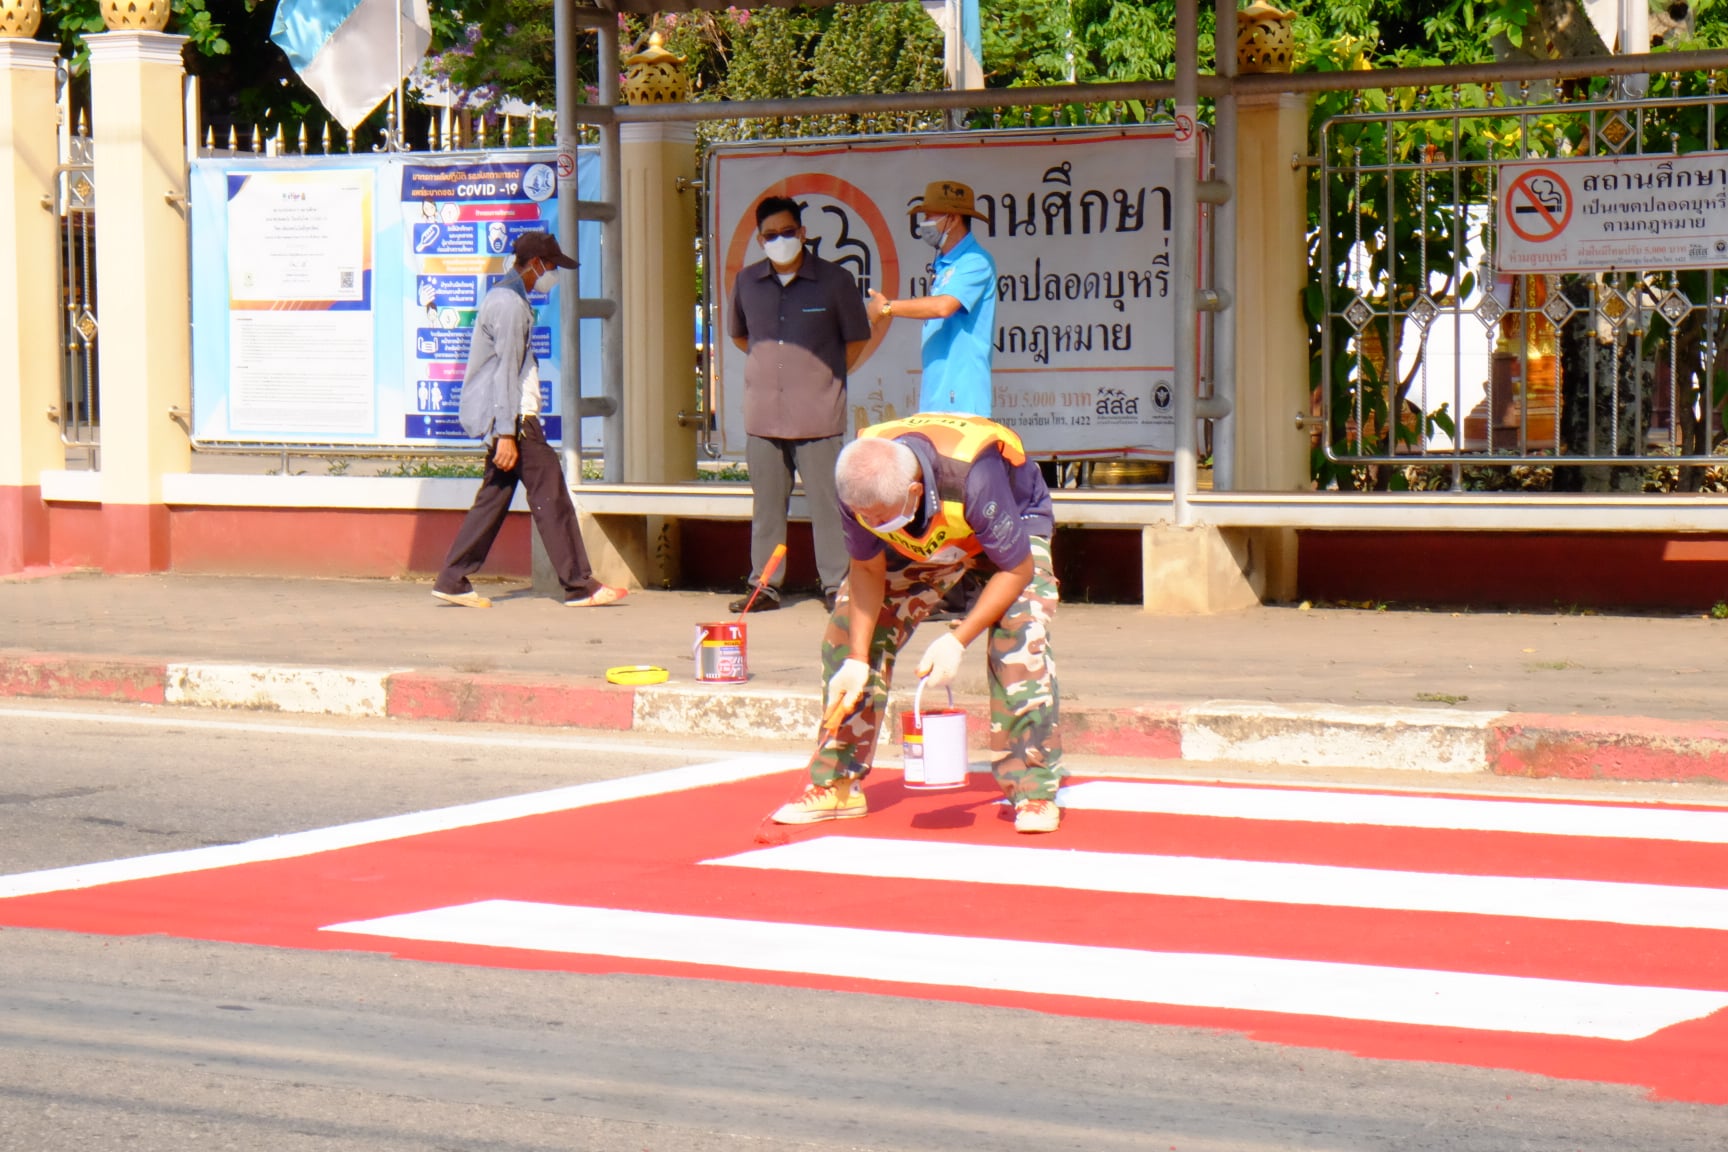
719	653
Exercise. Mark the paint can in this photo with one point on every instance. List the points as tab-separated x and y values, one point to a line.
719	652
934	745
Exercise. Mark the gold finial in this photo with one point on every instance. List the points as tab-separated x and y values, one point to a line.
1263	39
655	76
19	19
135	15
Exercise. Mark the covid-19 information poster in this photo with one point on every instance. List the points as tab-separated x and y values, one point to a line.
334	297
460	224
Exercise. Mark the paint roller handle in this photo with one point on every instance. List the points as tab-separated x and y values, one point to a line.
918	699
773	564
768	571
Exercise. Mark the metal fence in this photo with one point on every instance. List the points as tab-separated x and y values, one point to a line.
75	208
1431	361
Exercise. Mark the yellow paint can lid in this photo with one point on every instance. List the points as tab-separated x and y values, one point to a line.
636	674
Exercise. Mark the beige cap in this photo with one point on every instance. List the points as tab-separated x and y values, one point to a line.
947	198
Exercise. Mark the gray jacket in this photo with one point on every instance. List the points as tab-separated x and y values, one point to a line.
498	359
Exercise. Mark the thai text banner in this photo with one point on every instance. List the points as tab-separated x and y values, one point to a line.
1079	223
1622	213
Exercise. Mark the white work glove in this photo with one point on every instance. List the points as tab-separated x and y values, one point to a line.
848	684
941	662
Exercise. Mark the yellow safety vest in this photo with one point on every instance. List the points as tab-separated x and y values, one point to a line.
958	440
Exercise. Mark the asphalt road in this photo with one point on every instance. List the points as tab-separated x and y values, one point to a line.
157	1044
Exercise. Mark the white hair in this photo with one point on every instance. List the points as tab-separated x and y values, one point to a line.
873	472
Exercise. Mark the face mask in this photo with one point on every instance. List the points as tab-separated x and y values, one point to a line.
930	231
896	523
783	250
548	280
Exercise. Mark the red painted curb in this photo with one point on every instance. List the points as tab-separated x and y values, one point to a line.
1150	731
1608	748
505	700
82	677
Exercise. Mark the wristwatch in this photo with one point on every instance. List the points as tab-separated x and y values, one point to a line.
887	308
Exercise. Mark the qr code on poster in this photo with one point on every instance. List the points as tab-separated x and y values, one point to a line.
346	278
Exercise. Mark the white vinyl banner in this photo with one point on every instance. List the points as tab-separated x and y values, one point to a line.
1079	223
1627	212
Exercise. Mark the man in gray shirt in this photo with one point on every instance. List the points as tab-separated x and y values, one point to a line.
501	405
802	322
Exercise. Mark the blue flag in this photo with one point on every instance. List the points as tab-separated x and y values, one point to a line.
352	53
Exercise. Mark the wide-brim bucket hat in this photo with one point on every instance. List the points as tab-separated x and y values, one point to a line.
947	198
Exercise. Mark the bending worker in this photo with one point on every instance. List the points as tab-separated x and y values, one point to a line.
925	500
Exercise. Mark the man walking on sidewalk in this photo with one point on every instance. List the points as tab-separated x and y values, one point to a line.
501	405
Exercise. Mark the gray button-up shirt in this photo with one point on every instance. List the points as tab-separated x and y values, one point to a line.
795	371
497	358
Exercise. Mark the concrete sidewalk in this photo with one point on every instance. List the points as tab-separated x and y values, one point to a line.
1611	697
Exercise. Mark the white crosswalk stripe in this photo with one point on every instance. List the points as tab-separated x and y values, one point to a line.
1455	813
1650	905
1249	983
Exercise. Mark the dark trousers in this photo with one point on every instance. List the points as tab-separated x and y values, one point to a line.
537	467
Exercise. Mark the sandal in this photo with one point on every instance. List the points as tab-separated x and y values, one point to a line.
600	599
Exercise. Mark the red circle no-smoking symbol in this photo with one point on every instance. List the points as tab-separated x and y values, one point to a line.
1538	205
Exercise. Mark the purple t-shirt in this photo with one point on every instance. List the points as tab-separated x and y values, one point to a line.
1005	507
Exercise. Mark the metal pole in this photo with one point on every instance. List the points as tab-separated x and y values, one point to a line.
1184	261
564	33
194	127
611	258
1703	60
1224	254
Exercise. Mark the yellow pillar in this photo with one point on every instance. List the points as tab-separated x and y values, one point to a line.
29	299
1271	334
144	350
1203	569
657	216
659	305
1271	274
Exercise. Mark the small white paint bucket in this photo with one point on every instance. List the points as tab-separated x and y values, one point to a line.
934	745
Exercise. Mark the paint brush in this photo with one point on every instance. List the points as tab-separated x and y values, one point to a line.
768	832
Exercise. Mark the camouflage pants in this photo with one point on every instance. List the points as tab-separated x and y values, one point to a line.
1025	742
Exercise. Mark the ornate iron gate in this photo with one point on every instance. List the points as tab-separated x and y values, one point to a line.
75	208
1430	356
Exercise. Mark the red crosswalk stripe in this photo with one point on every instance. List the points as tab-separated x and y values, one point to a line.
1570	939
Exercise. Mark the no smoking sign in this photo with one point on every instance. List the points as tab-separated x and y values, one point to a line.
1538	205
1596	214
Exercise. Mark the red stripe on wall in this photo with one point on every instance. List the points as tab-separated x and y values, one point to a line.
1517	569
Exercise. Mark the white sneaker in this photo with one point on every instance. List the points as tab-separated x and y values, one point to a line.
1037	816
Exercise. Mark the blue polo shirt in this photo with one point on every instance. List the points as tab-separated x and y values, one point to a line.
957	349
